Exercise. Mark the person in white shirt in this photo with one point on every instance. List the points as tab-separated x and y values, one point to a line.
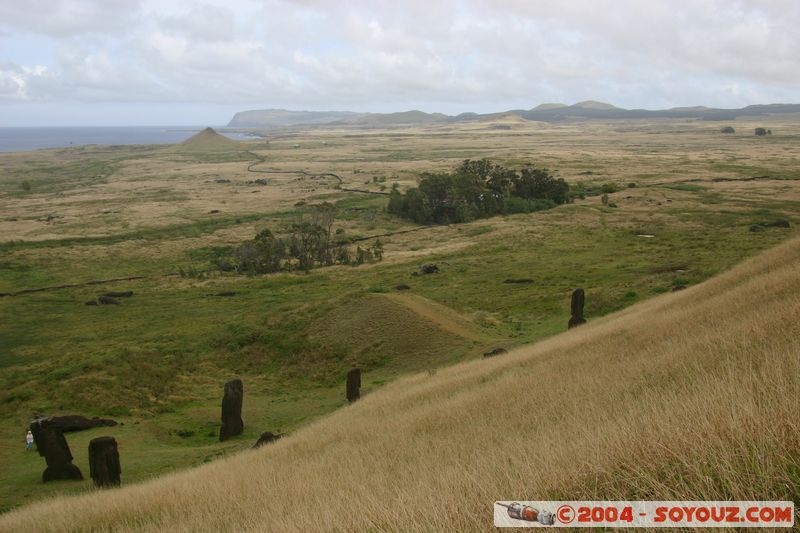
29	440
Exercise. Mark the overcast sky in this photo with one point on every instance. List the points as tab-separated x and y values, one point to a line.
170	62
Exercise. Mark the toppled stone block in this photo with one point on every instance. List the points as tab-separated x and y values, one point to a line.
496	351
72	423
429	268
266	438
120	294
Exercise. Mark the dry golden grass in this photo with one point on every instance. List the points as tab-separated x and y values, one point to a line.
436	314
166	186
691	395
411	332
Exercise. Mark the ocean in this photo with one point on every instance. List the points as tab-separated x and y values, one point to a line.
24	139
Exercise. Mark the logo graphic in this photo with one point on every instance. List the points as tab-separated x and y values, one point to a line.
566	514
518	511
644	514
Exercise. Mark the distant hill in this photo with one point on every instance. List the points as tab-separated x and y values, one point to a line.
509	116
549	112
594	104
260	118
693	108
504	120
404	117
542	107
208	140
272	118
598	110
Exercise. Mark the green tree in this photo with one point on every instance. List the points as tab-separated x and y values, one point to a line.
323	215
377	250
396	202
264	254
417	206
439	192
477	189
305	242
539	183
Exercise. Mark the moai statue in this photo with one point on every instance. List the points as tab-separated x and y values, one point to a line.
104	465
232	423
353	384
52	445
576	309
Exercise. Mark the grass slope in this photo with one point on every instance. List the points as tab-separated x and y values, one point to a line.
207	140
158	361
382	329
689	395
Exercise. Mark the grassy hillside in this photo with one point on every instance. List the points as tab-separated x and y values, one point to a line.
402	117
207	140
691	395
701	203
266	118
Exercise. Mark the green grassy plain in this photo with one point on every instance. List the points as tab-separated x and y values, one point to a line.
157	361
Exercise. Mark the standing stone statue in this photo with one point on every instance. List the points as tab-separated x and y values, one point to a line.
353	384
576	309
52	445
104	462
232	423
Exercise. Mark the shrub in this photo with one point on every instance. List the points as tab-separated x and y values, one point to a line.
309	243
477	189
522	205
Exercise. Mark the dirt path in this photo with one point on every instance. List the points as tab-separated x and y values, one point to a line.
338	178
172	274
73	285
439	314
249	169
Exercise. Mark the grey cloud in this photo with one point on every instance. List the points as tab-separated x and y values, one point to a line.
63	18
10	83
18	82
203	22
317	54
